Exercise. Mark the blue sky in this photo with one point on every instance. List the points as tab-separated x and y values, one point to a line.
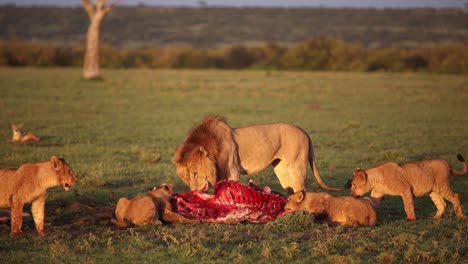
282	3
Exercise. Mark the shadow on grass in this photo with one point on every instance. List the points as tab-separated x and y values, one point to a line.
46	141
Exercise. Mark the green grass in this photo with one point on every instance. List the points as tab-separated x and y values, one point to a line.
119	135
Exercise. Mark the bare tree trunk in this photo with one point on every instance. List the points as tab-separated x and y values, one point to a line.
91	66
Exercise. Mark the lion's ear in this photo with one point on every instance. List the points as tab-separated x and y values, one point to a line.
58	164
300	196
356	170
362	174
203	151
168	187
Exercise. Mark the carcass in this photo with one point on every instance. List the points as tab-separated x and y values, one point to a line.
230	203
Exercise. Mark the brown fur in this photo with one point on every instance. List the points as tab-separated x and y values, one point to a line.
147	209
29	184
20	136
212	151
345	210
426	177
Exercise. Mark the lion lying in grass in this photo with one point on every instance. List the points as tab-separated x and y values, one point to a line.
427	177
345	210
148	209
29	184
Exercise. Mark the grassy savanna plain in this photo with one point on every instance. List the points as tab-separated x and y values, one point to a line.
119	136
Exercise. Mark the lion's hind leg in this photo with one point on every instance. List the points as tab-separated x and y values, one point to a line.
281	171
439	203
120	212
291	176
455	200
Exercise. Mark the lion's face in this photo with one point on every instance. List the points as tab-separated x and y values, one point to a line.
315	202
359	185
66	176
198	172
295	202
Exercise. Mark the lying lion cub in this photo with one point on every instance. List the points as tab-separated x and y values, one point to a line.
426	177
345	210
148	209
29	184
21	136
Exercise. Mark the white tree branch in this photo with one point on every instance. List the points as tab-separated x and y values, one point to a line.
89	8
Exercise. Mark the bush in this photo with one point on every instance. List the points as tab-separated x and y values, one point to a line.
237	57
320	54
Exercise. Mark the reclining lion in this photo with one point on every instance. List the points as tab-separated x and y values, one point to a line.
29	184
345	210
212	151
148	209
427	177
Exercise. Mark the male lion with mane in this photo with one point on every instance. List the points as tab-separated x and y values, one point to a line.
427	177
29	184
212	151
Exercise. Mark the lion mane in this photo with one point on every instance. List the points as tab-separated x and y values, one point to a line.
212	151
427	177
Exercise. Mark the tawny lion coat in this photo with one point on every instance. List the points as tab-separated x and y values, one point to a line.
147	209
212	151
426	177
345	210
29	184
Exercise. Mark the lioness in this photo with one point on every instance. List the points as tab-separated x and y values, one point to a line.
415	178
29	184
19	135
212	151
147	209
345	210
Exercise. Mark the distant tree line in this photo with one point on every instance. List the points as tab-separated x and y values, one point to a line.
318	54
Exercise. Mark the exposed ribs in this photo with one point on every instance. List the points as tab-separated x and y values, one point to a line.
231	202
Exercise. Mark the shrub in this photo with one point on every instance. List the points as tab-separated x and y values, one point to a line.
319	54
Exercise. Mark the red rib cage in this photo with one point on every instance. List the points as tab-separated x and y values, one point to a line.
231	202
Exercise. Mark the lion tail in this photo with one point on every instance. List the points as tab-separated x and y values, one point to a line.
465	169
322	184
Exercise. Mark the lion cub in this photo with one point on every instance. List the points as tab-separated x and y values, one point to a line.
427	177
19	135
29	184
148	209
345	210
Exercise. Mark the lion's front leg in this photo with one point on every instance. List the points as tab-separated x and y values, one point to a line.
375	198
172	217
37	209
409	205
16	217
